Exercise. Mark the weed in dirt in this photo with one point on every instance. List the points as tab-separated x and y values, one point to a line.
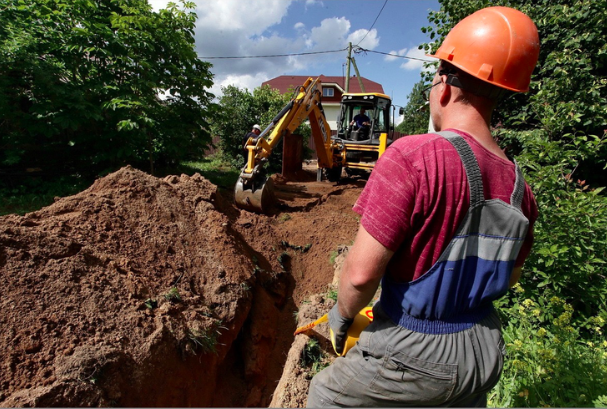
333	255
313	357
204	340
245	287
150	303
332	293
303	249
283	258
284	217
173	295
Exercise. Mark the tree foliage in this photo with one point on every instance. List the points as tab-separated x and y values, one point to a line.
568	91
416	114
555	320
239	111
80	83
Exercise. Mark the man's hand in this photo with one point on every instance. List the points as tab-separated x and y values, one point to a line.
339	329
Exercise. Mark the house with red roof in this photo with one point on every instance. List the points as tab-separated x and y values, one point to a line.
332	89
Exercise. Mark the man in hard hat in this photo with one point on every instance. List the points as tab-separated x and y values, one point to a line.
446	224
255	132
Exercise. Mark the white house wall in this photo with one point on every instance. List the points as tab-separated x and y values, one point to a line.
331	113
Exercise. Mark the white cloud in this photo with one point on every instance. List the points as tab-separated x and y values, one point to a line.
158	4
248	28
418	62
370	40
241	81
394	57
331	34
314	3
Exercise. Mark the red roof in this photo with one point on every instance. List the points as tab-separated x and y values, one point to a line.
284	82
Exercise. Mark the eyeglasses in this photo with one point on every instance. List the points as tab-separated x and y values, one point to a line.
426	91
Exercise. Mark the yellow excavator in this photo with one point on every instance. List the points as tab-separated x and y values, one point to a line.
353	149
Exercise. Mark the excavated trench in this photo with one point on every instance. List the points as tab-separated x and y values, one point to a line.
142	291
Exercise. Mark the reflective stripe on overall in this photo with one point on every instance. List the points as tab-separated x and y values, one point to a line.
474	269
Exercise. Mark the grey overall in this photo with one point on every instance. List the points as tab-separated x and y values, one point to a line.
436	341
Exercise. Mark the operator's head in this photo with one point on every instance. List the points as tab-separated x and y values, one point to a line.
489	53
256	129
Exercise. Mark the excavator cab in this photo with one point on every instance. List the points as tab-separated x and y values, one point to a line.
364	145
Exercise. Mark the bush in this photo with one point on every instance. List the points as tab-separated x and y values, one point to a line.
550	362
570	249
555	318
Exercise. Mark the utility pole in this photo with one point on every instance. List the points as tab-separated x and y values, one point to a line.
351	60
360	80
348	68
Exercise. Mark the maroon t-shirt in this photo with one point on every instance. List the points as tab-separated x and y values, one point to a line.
418	194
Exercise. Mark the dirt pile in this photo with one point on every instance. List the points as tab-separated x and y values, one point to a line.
142	291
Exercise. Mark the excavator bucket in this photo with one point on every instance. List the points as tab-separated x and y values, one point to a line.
255	194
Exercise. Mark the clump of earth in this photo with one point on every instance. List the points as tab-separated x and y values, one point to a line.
142	291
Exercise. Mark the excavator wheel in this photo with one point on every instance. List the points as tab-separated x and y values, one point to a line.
256	195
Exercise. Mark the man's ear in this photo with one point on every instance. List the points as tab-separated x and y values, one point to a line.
445	94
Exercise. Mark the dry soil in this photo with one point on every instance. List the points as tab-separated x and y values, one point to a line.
141	291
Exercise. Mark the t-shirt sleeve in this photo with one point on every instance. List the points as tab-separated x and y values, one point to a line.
530	209
387	201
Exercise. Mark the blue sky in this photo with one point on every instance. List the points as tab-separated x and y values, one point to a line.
227	28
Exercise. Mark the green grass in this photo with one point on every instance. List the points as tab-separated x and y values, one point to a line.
214	168
332	293
204	341
332	256
313	357
35	193
173	295
284	217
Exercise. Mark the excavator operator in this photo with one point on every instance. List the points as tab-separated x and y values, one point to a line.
446	224
361	122
361	119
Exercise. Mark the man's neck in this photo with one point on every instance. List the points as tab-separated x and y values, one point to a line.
472	122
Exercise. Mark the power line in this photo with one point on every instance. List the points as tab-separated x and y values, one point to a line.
378	14
360	49
273	55
356	50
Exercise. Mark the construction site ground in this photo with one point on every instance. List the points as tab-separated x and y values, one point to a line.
145	291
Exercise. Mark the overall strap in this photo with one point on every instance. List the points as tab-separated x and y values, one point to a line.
473	171
518	193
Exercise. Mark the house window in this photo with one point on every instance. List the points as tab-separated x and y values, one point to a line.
327	92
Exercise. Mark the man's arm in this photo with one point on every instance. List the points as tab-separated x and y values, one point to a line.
515	276
362	272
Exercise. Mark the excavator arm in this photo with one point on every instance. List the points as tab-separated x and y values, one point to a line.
254	190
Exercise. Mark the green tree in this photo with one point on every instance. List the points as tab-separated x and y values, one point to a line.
234	119
239	111
554	322
568	92
416	113
80	83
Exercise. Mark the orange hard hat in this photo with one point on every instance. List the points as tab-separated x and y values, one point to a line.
499	45
361	321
